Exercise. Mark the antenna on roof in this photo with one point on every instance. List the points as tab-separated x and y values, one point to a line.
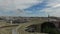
48	17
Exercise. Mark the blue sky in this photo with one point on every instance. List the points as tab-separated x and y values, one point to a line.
30	8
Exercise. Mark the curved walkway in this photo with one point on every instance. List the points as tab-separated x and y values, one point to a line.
21	28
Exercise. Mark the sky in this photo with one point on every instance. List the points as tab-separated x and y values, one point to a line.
30	8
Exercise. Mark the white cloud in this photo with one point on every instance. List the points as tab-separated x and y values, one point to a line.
13	5
22	4
8	5
54	9
57	5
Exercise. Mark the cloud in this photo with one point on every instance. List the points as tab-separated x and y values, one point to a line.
17	4
21	4
10	7
51	7
30	7
57	5
38	6
54	9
